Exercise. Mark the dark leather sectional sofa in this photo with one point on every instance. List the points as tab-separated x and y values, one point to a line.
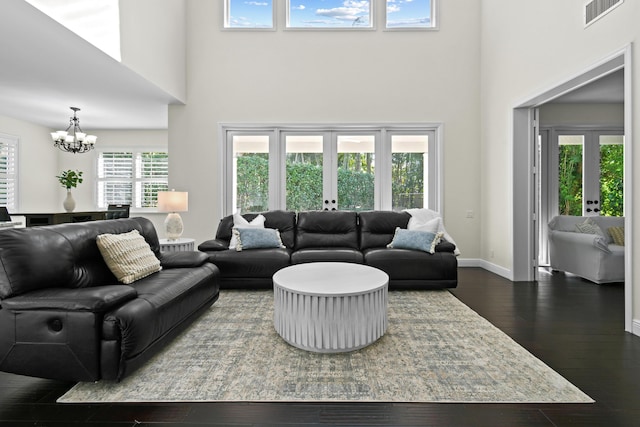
359	237
63	314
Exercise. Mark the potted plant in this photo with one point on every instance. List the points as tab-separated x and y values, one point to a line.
69	179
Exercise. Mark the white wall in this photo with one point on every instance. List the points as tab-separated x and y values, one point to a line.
527	49
37	165
152	42
582	114
329	77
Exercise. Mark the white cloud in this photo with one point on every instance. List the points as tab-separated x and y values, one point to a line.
301	7
392	8
256	3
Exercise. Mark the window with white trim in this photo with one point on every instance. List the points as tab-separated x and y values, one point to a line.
314	167
9	172
410	14
132	177
329	14
249	15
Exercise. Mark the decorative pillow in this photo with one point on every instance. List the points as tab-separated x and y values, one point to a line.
432	226
256	238
415	239
239	221
589	227
128	256
617	234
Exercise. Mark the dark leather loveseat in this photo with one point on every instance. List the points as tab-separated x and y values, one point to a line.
63	314
341	236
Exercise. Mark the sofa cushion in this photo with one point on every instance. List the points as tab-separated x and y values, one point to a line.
256	263
377	228
425	241
327	255
327	229
256	238
412	265
128	256
617	234
63	255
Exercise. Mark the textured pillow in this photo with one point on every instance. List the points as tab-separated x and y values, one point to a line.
257	238
128	256
415	239
589	227
239	221
617	234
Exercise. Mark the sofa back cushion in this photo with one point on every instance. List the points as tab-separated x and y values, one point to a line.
62	256
321	229
283	221
377	228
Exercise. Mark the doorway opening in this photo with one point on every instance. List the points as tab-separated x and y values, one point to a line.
527	215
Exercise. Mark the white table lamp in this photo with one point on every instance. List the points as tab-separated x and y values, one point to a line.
173	202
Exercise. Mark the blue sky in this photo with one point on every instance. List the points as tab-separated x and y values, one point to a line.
251	14
329	13
408	13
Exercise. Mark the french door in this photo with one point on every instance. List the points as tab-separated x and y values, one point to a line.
588	168
353	168
329	170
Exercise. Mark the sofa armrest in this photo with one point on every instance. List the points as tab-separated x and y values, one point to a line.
94	299
183	259
445	246
214	245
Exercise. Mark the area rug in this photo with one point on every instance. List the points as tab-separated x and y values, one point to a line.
436	349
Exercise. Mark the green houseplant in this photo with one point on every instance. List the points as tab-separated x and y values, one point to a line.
69	179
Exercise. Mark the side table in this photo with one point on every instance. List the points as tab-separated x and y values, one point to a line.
177	245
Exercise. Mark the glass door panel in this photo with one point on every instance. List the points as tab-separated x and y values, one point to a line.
355	172
304	172
250	173
409	171
611	174
570	166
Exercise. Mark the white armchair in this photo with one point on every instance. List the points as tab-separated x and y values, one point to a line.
594	257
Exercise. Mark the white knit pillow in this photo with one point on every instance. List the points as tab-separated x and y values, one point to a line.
128	256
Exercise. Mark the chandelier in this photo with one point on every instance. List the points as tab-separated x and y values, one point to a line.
73	140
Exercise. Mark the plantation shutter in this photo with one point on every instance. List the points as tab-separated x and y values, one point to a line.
115	178
8	172
152	171
132	178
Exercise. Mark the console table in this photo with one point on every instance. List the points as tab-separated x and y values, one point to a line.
33	219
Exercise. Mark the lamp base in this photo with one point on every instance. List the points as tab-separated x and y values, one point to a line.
173	226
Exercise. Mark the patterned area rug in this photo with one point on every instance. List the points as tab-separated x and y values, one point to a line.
436	349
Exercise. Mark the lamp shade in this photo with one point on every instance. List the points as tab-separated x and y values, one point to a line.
173	201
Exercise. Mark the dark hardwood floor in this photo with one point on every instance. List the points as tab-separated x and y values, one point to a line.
576	327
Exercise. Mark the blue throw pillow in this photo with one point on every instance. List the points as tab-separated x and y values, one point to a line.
415	239
257	238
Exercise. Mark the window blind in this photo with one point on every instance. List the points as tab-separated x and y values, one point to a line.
8	172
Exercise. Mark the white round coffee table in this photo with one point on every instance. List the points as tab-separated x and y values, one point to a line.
330	307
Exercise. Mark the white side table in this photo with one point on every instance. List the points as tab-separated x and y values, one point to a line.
330	307
177	245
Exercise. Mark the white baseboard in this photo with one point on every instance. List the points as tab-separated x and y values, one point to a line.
493	268
635	327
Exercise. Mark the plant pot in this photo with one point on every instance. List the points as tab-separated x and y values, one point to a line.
69	204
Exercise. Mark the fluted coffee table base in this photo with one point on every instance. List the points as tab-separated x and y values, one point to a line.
330	307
